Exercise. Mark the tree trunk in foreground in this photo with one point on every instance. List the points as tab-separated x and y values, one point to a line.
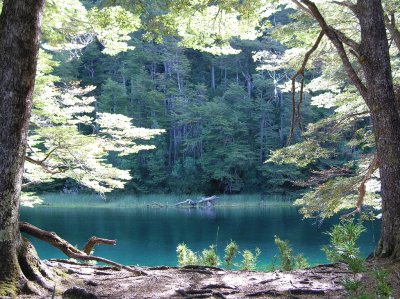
386	120
19	35
376	88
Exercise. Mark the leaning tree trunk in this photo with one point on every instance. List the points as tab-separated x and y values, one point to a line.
386	120
19	35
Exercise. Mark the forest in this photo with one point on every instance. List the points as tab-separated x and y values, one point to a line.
189	129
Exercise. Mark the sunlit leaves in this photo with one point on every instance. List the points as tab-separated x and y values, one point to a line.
301	154
211	30
112	26
59	148
62	22
118	134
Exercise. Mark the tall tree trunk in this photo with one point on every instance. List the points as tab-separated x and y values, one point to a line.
386	120
213	85
378	93
19	35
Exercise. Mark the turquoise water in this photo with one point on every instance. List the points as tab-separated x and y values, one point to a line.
149	236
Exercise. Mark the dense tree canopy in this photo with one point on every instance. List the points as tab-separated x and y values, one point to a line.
222	86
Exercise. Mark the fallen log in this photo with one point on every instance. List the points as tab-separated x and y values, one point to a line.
158	205
207	200
187	202
69	250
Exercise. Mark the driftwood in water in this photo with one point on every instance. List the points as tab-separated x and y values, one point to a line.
69	250
209	201
187	202
157	204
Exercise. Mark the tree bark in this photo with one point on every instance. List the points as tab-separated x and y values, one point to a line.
213	85
386	120
378	93
19	38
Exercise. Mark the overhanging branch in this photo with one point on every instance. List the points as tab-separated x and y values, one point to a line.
338	43
392	28
362	188
300	72
42	164
349	5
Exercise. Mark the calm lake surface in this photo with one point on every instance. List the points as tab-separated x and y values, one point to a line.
149	236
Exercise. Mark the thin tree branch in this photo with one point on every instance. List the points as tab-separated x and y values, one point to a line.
41	164
394	32
362	188
49	154
338	43
300	72
349	5
302	7
347	40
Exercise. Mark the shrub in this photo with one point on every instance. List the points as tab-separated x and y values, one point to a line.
287	260
343	242
231	250
186	256
382	286
209	257
250	259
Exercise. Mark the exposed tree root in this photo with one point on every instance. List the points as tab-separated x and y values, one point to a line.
69	250
93	241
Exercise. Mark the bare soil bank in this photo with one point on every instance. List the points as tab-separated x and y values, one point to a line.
324	281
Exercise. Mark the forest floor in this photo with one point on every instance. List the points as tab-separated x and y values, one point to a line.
323	281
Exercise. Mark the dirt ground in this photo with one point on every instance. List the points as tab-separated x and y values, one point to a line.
91	282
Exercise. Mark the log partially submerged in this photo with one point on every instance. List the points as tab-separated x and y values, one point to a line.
209	201
187	202
72	252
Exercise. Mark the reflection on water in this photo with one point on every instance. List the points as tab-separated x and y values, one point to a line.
149	236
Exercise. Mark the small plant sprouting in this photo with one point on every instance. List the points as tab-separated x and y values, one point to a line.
343	248
382	287
186	256
209	257
231	250
289	262
250	259
353	288
300	262
343	238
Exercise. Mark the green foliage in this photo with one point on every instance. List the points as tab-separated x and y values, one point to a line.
300	262
112	26
301	154
287	261
231	250
186	256
217	135
250	259
382	287
343	244
209	257
286	254
354	289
